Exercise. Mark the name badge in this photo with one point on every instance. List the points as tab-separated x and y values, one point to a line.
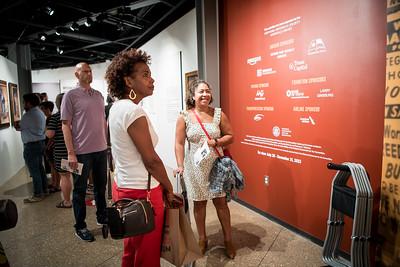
201	153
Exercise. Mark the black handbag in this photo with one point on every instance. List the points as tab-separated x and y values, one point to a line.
8	214
130	217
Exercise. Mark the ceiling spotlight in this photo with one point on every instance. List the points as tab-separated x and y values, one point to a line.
49	11
88	22
59	50
43	37
60	30
74	27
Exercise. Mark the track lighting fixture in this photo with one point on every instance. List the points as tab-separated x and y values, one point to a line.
74	26
49	11
88	22
60	30
43	37
59	50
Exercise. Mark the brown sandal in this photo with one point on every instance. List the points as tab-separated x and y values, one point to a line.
62	205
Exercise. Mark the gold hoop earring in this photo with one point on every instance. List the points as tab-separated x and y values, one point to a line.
130	95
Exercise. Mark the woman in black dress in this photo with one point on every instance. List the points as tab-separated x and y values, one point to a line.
60	152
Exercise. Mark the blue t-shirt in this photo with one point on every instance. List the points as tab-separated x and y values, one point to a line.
33	125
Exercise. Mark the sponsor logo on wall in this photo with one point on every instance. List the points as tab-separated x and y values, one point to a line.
298	65
276	131
258	117
259	95
285	132
316	46
253	61
262	72
295	94
307	120
325	93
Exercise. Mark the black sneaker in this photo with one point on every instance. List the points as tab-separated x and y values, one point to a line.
84	234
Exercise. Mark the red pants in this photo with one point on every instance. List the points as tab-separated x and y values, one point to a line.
143	250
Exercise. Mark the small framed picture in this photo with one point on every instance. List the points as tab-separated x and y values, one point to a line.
15	102
189	78
4	105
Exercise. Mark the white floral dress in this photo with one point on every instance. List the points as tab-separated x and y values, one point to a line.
196	177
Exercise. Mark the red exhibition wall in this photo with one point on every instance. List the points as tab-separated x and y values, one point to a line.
303	83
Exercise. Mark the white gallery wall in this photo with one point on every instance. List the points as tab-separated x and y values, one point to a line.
164	106
11	159
52	90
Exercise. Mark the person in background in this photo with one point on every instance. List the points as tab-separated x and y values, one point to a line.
54	132
107	108
132	144
43	97
196	177
84	129
32	127
110	163
47	107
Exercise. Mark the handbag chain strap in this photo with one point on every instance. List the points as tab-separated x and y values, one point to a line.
148	187
205	131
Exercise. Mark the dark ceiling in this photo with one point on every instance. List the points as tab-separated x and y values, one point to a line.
101	28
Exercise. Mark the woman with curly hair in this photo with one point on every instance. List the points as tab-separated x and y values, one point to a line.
132	144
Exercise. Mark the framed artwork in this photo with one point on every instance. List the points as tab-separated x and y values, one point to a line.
4	105
15	102
190	77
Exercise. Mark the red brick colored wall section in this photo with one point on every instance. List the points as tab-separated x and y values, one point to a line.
303	84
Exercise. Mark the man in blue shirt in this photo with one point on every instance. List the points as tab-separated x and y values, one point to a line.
32	127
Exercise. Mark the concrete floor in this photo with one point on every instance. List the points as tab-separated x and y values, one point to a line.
44	236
